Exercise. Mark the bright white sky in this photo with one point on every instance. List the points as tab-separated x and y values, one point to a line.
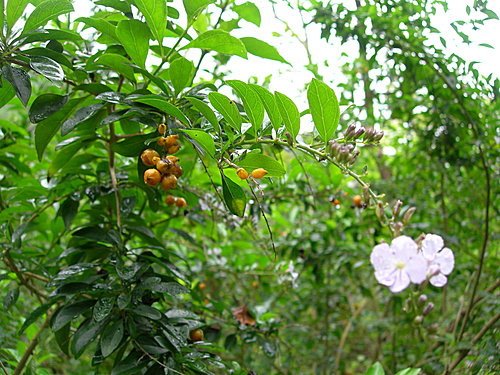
292	80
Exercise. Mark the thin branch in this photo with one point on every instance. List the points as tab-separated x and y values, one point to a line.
267	222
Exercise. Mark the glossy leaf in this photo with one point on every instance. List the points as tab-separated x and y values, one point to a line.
219	41
262	49
101	25
13	11
206	111
234	196
249	12
194	7
134	36
155	13
47	67
202	141
7	92
289	113
255	160
324	107
68	211
251	102
111	338
181	73
80	116
147	312
69	312
164	106
86	333
227	109
118	63
46	129
269	102
375	369
20	81
46	11
133	146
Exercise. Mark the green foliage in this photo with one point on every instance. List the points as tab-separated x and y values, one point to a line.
105	273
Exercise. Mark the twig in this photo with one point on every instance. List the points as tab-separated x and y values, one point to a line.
267	222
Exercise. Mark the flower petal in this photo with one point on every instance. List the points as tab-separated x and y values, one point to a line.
404	248
380	257
401	282
446	261
439	280
417	269
386	278
431	244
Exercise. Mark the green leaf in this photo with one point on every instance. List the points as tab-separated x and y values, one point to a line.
2	18
289	113
147	312
34	315
103	26
47	67
118	63
181	73
255	160
155	13
234	196
62	338
375	369
51	34
46	52
68	211
46	105
7	92
227	109
219	41
80	116
164	106
206	111
486	45
20	81
249	12
491	14
133	146
201	139
194	7
324	106
251	102
66	314
409	371
262	49
111	338
14	11
86	333
270	105
134	36
10	297
46	11
46	129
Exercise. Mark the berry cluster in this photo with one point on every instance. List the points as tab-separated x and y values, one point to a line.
256	173
166	169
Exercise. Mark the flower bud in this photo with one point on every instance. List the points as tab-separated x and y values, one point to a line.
378	136
397	208
349	133
422	299
369	134
359	133
366	195
418	319
379	211
428	309
408	214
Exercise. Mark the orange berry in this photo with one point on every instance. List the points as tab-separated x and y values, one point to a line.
173	159
148	155
170	200
357	201
173	149
196	335
171	140
162	129
152	177
176	170
169	182
259	173
181	202
162	141
163	165
242	173
255	284
202	286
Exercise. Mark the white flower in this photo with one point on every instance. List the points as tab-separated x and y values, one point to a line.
440	261
398	264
